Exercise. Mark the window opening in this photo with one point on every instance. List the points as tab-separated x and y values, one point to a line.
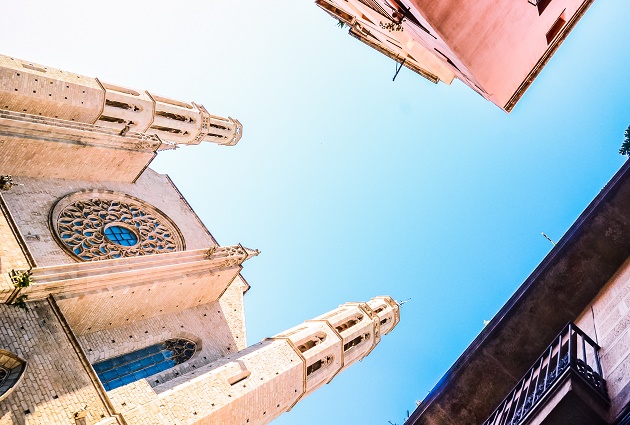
316	340
112	119
319	364
139	364
350	323
167	129
555	28
173	116
379	309
358	340
121	105
239	377
541	5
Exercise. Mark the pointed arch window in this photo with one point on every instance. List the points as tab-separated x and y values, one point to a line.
348	324
312	342
318	365
357	341
139	364
12	369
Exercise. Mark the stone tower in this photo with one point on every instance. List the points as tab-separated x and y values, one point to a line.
117	306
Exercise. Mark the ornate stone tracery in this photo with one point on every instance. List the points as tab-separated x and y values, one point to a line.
83	221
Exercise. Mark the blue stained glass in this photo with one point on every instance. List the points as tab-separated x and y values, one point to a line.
135	366
127	379
110	374
121	235
140	374
130	367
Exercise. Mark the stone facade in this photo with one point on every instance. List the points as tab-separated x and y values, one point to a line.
117	304
607	322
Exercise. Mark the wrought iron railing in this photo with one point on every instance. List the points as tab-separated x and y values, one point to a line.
572	350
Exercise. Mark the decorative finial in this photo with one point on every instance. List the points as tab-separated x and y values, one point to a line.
401	303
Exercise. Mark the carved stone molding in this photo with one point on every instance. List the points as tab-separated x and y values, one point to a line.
86	225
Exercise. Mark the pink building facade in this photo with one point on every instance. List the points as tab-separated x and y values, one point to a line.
496	47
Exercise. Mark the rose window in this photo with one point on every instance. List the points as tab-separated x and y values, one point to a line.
105	225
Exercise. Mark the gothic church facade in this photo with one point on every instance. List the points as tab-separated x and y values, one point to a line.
117	305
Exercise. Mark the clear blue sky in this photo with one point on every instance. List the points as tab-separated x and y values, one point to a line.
350	184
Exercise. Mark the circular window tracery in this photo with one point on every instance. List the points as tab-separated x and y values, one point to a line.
98	225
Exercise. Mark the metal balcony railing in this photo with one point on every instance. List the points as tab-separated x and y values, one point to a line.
572	350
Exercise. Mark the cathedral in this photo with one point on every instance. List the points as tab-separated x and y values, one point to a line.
117	304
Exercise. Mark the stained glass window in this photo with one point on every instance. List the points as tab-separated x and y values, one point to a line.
139	364
121	235
101	226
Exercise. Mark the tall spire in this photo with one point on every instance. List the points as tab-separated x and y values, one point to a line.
38	90
97	130
259	383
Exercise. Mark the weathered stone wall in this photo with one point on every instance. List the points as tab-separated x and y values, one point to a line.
607	321
11	257
31	203
206	396
217	328
37	89
121	304
55	384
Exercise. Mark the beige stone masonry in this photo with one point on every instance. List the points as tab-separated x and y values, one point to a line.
198	267
257	384
40	90
11	256
37	89
607	321
33	199
55	385
35	147
214	327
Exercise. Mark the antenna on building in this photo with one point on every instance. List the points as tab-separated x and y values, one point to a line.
548	238
398	68
400	303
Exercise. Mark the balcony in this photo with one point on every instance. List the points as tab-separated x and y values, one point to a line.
564	386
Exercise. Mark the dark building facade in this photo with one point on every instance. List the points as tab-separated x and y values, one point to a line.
558	351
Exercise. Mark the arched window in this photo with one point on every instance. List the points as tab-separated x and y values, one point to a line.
319	364
379	309
358	340
312	342
350	323
139	364
11	371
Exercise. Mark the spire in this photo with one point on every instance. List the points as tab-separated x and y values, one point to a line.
259	383
42	91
